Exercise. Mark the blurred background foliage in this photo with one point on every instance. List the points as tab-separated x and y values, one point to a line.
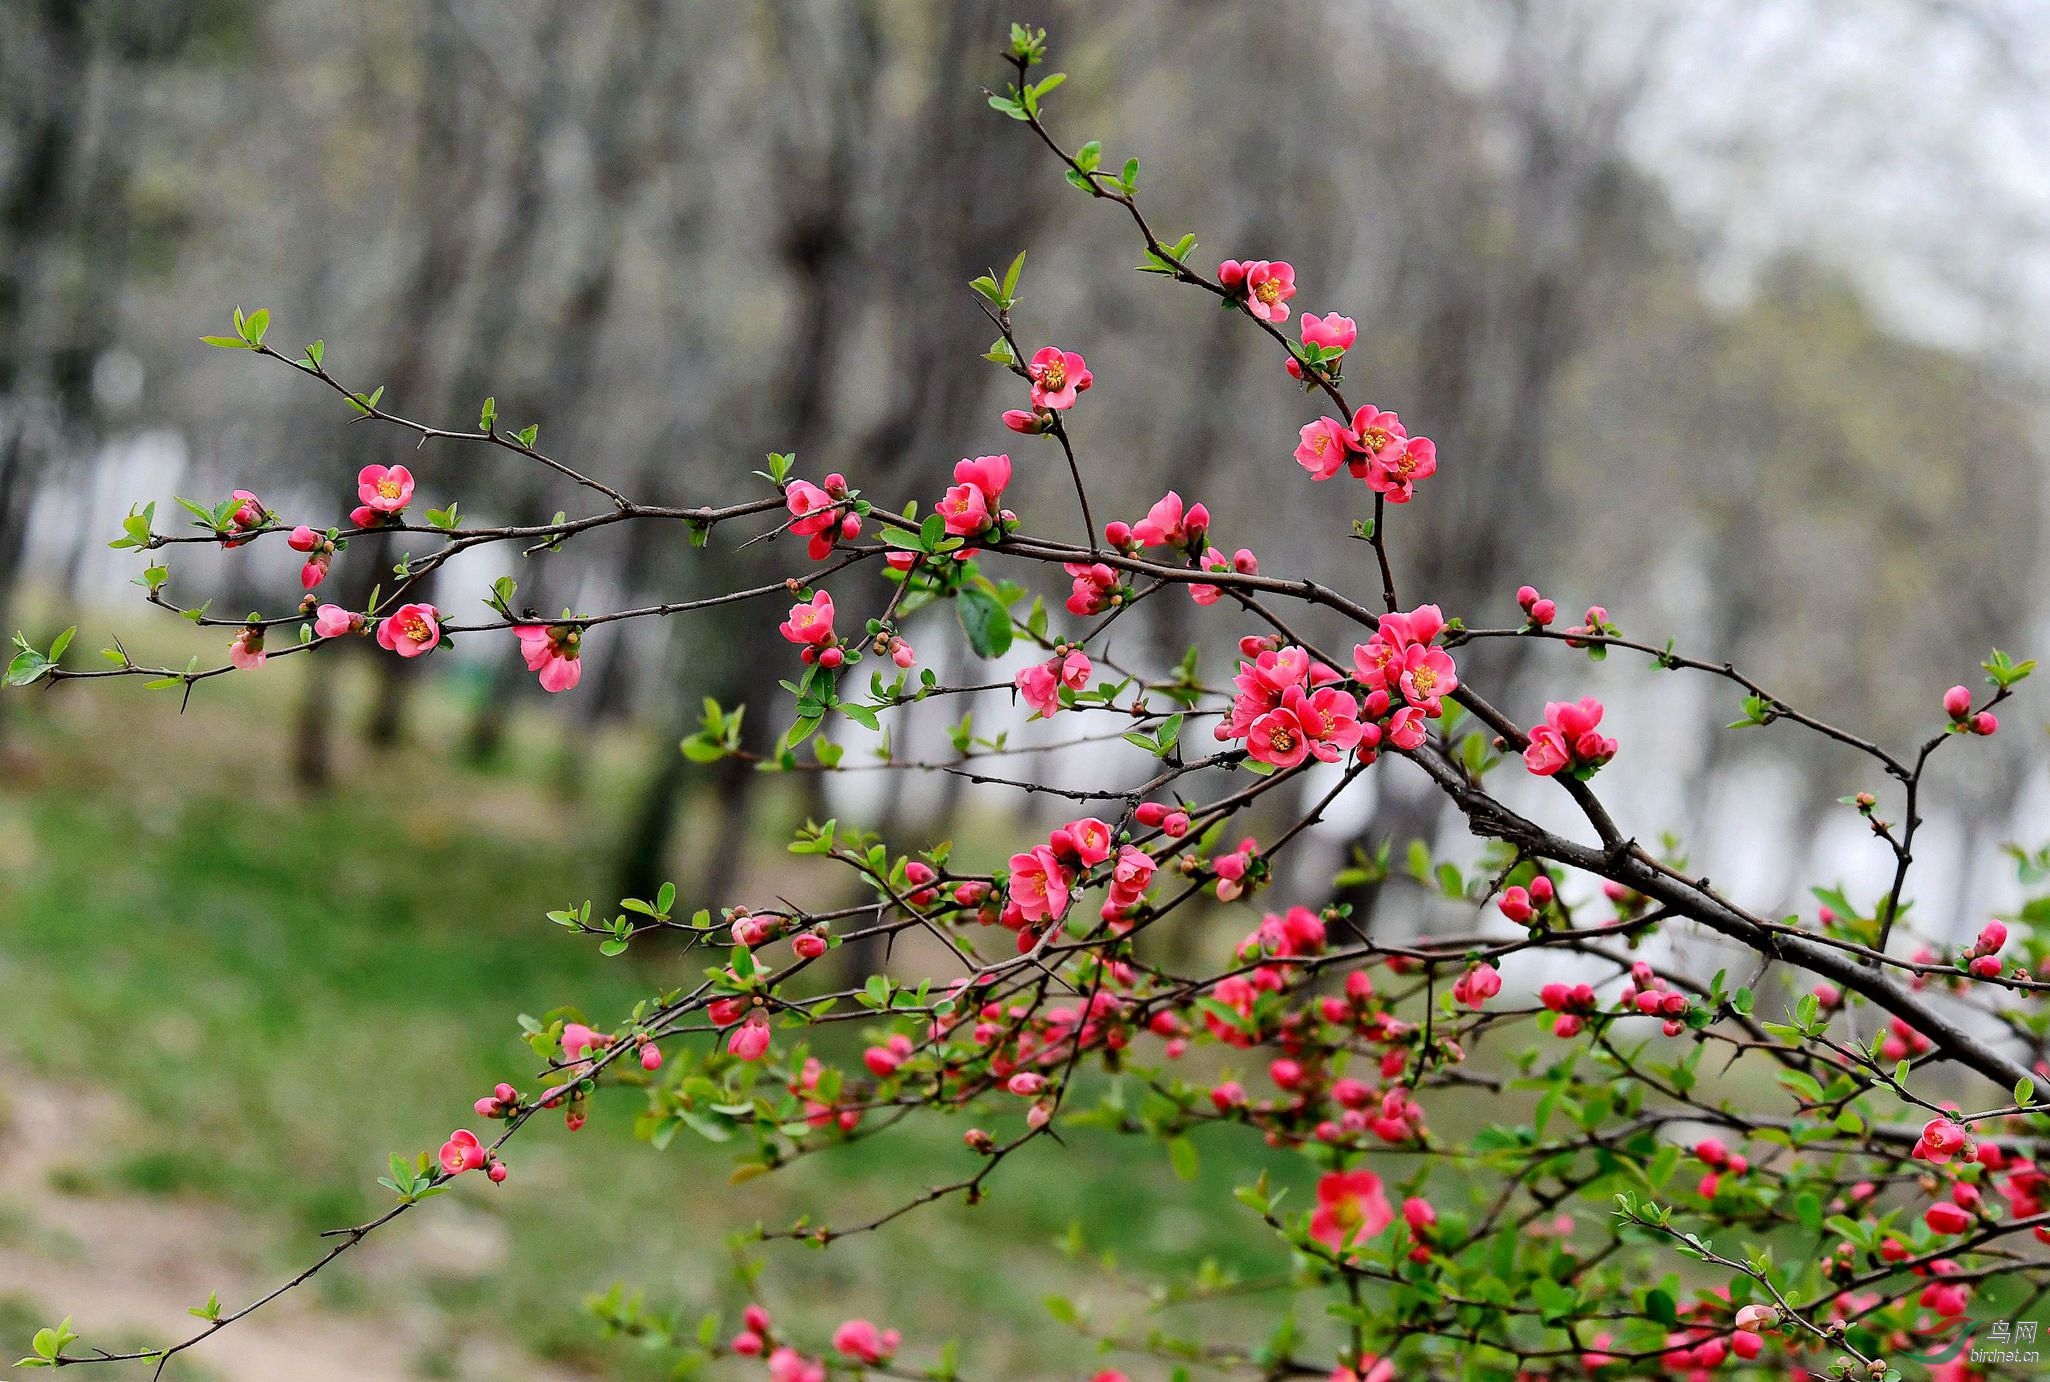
1722	315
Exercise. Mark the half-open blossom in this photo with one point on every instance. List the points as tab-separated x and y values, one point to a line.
1568	740
1941	1140
332	621
1269	286
384	489
1350	1207
1331	332
1241	562
553	652
786	1364
860	1340
1168	524
411	630
1475	987
462	1152
1057	376
246	652
750	1039
1041	683
1031	423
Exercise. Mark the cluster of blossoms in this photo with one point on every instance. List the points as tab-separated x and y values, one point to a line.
1342	1070
1375	448
1568	740
821	514
1041	684
973	507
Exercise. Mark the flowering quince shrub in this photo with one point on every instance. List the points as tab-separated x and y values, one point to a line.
1540	1143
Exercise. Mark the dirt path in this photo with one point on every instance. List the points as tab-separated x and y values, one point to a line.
127	1267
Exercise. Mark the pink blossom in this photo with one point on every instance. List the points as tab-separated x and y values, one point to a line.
1095	587
302	539
1957	703
1331	332
1350	1207
332	621
1379	435
383	489
1475	987
1041	683
786	1364
1241	562
1568	739
1940	1141
1322	447
750	1039
462	1152
1269	286
1030	423
1396	477
1278	737
553	652
1167	524
810	625
1039	885
1946	1218
410	631
860	1340
246	652
1427	675
1057	376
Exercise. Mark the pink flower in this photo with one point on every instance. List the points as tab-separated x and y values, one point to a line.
1427	674
1090	839
786	1364
860	1340
1568	740
1940	1141
248	514
1095	587
1322	447
1475	987
1957	703
384	489
1039	885
246	652
1278	737
1407	729
1331	332
1041	683
302	539
965	510
1350	1207
1329	717
1380	435
411	631
810	625
1946	1218
1057	376
1030	423
332	621
1397	477
1269	286
462	1152
750	1039
552	652
1241	562
1167	524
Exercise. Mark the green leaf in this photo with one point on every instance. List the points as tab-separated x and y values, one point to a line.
985	621
227	342
1181	1154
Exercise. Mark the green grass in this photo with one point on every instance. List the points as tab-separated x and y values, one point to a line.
281	990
